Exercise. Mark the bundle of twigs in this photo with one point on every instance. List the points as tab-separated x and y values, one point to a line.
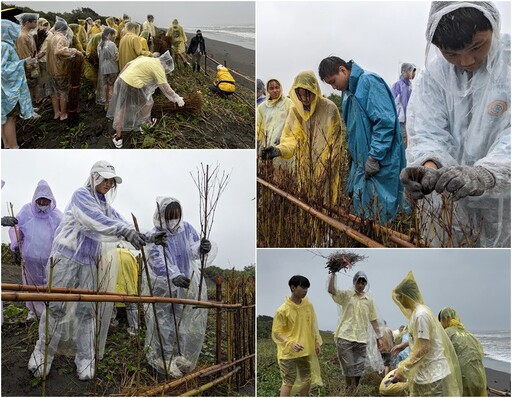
342	260
193	104
75	73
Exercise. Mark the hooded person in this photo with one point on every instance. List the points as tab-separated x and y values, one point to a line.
75	43
84	256
132	98
130	46
178	41
469	352
260	92
26	48
402	92
16	100
33	238
175	271
42	37
82	33
358	334
108	67
459	127
312	134
224	84
432	368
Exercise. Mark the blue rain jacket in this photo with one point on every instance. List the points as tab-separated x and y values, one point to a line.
369	112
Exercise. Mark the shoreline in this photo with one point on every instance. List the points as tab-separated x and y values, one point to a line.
497	379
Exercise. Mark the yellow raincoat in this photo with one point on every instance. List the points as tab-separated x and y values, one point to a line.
297	323
95	28
82	34
432	367
178	38
314	137
127	277
225	81
92	61
76	40
469	352
130	46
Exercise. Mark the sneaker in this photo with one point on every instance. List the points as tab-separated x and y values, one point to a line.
149	125
36	364
118	142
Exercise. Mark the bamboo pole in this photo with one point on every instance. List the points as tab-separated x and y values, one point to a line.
329	220
204	228
232	70
226	365
207	386
218	321
498	392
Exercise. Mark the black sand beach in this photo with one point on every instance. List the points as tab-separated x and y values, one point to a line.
497	380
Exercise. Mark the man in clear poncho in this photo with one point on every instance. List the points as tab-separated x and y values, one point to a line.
33	237
26	48
358	329
313	135
175	271
132	98
16	100
84	256
459	127
469	351
432	368
295	332
374	138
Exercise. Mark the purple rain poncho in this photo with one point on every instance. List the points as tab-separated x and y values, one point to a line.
36	230
183	258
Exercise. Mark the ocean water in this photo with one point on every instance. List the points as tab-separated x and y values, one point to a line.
243	36
496	346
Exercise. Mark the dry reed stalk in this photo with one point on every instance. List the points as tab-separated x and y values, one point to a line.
193	105
207	386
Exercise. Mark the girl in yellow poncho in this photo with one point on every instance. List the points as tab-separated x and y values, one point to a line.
130	46
432	368
469	351
178	41
295	331
313	134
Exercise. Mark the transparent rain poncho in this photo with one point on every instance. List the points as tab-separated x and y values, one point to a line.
108	66
183	258
356	315
14	82
84	256
297	323
25	43
132	98
462	118
470	354
432	369
34	236
58	49
314	138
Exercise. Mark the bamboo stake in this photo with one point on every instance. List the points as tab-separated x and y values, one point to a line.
232	70
207	386
226	365
204	226
46	333
329	220
218	321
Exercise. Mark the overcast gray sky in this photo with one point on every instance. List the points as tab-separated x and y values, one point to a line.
146	174
476	282
188	13
378	35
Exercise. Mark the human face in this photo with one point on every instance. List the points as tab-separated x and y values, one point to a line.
360	285
471	57
410	74
274	90
305	96
43	201
105	186
299	291
339	81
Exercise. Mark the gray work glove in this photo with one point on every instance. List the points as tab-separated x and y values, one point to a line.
419	181
465	181
135	238
205	246
159	238
371	167
9	221
181	281
270	152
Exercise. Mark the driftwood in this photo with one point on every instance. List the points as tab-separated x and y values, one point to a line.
209	385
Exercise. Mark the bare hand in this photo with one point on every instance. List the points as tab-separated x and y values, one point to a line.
296	347
317	349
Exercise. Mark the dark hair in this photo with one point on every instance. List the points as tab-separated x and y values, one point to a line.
104	36
173	211
150	16
457	28
330	66
298	280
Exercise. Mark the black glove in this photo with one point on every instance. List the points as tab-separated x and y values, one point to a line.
135	238
465	181
181	281
371	167
17	256
9	221
270	152
419	181
159	238
205	246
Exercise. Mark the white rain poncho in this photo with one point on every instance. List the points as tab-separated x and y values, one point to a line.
33	236
432	368
456	118
183	258
85	257
356	315
132	99
108	66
